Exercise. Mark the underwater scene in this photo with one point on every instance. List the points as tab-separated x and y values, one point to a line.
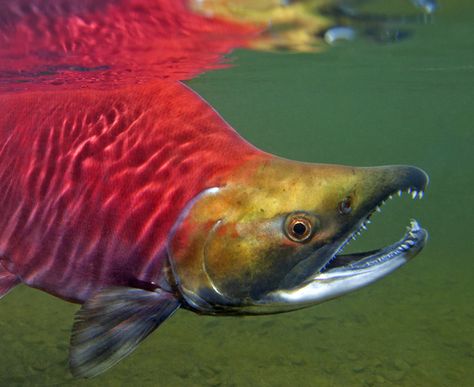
354	83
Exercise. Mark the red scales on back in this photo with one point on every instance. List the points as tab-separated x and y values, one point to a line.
95	181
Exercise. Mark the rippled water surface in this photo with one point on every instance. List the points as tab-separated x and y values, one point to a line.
360	103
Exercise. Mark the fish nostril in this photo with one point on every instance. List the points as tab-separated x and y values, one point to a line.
345	206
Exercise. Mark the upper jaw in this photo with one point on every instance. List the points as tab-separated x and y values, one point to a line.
383	183
410	180
340	274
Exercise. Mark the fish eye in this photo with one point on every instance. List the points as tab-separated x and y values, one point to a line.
299	227
345	206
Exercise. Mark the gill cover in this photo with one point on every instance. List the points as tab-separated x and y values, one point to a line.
221	263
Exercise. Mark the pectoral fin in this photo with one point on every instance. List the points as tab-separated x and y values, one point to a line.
110	325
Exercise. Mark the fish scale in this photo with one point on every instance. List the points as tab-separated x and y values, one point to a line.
92	198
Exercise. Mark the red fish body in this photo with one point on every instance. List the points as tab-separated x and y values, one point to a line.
93	182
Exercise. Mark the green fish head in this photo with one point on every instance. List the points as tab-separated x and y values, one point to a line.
270	239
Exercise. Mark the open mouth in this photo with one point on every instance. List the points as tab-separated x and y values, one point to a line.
344	273
407	247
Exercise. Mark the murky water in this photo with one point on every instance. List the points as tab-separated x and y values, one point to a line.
360	103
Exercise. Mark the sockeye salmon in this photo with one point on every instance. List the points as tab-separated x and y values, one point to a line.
135	199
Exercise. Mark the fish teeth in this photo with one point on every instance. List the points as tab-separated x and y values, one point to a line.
411	230
414	225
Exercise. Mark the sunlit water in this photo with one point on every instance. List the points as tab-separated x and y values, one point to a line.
360	103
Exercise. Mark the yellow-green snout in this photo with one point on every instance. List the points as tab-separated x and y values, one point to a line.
273	226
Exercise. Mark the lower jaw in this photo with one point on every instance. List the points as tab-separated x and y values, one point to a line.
409	245
366	268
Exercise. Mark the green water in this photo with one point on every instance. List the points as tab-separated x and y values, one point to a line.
358	104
